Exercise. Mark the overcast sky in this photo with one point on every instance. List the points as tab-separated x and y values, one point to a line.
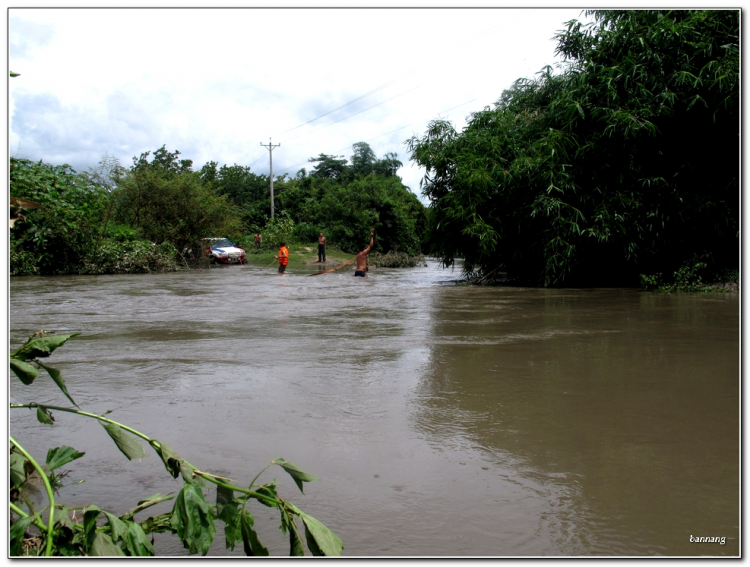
216	83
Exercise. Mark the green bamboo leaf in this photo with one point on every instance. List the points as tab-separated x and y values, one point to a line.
192	520
25	372
320	539
43	347
295	472
103	546
253	546
44	415
131	448
17	472
60	456
17	532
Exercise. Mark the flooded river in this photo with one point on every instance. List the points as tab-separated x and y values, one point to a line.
441	420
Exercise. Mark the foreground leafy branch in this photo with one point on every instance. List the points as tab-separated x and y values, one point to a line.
192	519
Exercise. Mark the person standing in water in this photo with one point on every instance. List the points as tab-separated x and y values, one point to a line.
362	269
283	257
322	248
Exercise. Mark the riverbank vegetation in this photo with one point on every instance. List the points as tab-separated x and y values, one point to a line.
618	168
152	216
40	525
622	162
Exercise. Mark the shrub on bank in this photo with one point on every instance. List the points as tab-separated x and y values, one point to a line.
134	257
396	260
693	275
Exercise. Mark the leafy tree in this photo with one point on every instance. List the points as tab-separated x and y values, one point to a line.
164	162
363	159
180	210
625	162
165	201
329	167
388	166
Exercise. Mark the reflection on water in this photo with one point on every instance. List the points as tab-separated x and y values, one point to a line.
441	420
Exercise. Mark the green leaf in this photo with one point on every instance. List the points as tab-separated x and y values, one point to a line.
157	524
169	456
226	505
62	519
60	456
117	528
44	415
320	539
90	516
136	543
267	490
295	472
43	347
192	520
253	546
226	511
25	372
54	373
103	546
147	503
296	549
17	532
17	472
131	448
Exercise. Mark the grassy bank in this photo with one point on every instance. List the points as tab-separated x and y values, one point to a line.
300	255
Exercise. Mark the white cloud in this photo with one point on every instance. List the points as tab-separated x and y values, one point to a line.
216	83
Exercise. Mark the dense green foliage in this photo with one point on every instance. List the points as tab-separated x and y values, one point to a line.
57	237
345	211
625	162
99	532
165	201
150	216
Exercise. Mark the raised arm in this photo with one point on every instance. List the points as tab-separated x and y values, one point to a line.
372	242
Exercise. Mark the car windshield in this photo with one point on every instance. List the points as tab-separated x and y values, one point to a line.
221	242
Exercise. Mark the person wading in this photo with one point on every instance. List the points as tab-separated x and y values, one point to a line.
322	248
362	268
283	257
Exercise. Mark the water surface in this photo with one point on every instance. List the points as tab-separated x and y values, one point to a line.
442	420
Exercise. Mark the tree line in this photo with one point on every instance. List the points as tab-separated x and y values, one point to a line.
625	161
146	217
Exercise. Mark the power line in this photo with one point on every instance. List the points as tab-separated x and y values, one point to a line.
381	87
355	114
381	135
470	39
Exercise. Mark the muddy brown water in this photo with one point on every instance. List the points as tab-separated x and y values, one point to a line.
441	420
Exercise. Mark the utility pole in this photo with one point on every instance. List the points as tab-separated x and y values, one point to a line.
270	147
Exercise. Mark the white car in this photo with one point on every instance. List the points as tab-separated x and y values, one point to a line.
223	250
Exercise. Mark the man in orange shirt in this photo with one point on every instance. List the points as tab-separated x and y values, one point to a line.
283	257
